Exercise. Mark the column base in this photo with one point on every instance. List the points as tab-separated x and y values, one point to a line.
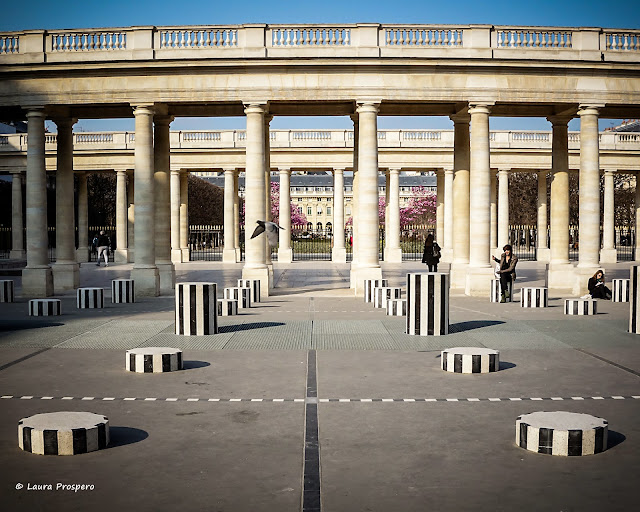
82	254
478	281
543	254
458	275
66	276
167	273
608	256
262	275
358	276
121	256
147	281
285	255
393	255
37	282
560	276
447	255
17	254
339	255
185	254
229	256
176	256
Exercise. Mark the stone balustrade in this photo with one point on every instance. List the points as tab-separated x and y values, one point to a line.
304	41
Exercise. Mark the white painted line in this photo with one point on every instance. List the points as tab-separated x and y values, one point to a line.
46	398
577	398
452	399
67	398
298	400
408	400
536	399
366	400
88	397
193	399
150	399
632	396
556	398
6	396
128	399
344	400
26	397
468	399
235	400
320	400
108	398
516	399
171	400
213	400
494	400
618	397
282	399
597	398
256	399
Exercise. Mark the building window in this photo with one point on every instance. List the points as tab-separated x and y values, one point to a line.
309	226
329	199
329	226
348	211
300	210
309	210
319	210
328	210
300	200
319	226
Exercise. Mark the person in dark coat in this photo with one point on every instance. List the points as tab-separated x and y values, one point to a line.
597	288
507	272
431	254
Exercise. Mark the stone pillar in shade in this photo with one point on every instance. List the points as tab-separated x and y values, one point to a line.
162	203
354	200
339	251
460	241
131	216
122	251
267	193
229	252
393	251
480	271
236	215
447	249
637	207
503	210
66	272
184	215
176	252
285	253
82	252
542	249
608	253
144	272
440	207
37	278
255	266
368	266
17	219
493	234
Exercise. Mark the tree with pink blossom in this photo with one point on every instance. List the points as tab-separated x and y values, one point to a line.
421	208
297	217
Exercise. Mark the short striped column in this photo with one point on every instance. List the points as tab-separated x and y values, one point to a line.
90	298
397	307
496	292
63	433
253	285
534	297
370	284
580	307
621	288
44	307
562	433
153	360
227	307
196	309
634	300
240	294
382	294
428	304
6	291
470	360
122	291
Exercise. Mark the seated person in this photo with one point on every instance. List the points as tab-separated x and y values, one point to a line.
597	288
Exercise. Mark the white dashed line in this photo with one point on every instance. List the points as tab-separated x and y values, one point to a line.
88	397
577	398
26	397
46	398
556	398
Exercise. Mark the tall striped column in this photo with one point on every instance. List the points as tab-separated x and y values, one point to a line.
428	304
620	290
196	309
634	301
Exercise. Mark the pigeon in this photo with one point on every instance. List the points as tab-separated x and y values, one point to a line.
272	231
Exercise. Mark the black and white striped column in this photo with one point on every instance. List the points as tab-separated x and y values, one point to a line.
428	304
496	292
240	294
620	290
580	307
397	307
562	433
253	285
122	291
90	298
370	284
382	294
534	297
634	300
470	360
63	433
44	307
153	360
6	291
196	309
227	307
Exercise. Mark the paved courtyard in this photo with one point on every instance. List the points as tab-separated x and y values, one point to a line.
314	400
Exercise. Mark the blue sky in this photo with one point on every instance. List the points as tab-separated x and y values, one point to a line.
57	14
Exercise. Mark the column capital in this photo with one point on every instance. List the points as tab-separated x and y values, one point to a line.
559	120
338	169
589	109
448	171
503	171
480	108
255	107
227	170
163	119
35	111
143	109
369	106
395	170
64	122
460	118
16	172
543	171
610	171
284	170
121	172
354	118
267	118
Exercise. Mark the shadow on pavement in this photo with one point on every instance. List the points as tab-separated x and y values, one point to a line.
504	365
122	436
614	439
473	324
189	365
247	327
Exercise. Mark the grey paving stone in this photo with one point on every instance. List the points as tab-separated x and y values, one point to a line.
322	327
117	334
169	339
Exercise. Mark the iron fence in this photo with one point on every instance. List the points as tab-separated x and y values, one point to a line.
523	240
206	243
412	240
310	244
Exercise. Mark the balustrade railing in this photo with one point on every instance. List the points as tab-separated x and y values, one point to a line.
532	38
93	138
622	41
199	38
531	136
201	136
88	41
423	36
310	36
422	135
9	44
311	135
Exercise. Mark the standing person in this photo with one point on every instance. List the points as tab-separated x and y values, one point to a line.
103	243
597	288
507	272
431	254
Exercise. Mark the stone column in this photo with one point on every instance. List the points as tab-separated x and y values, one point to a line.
387	179
162	203
122	252
503	210
17	220
66	273
440	207
236	215
285	253
267	193
82	252
144	272
354	199
460	238
608	253
393	251
339	251
637	207
176	253
255	266
368	259
229	252
589	206
447	248
37	278
130	217
493	235
184	216
542	249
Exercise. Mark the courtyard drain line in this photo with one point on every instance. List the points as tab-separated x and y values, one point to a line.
311	479
624	368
